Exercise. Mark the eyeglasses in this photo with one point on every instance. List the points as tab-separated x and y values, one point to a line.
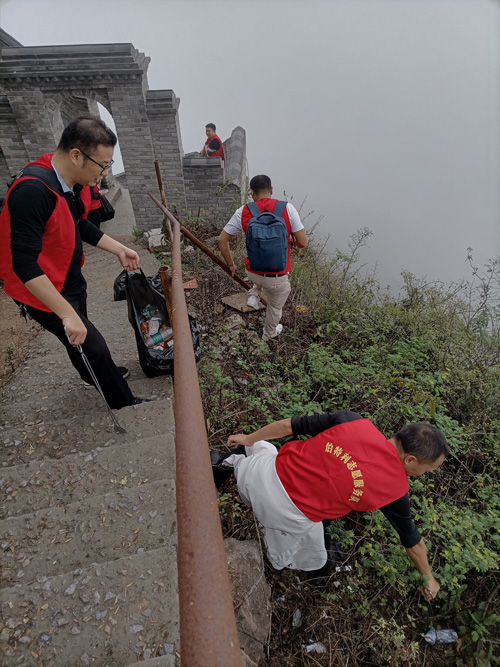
103	167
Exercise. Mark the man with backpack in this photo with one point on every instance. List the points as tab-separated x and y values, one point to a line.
269	226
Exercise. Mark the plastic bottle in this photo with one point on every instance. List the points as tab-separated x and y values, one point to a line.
163	335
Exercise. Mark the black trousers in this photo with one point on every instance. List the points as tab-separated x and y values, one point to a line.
114	387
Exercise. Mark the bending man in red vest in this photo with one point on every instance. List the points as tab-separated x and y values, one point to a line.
346	465
276	285
213	146
42	225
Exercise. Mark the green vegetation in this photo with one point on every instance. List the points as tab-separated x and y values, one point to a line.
432	354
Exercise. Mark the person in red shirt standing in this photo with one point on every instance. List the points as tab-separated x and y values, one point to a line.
213	146
42	226
347	464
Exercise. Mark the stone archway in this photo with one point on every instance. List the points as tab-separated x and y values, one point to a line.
43	87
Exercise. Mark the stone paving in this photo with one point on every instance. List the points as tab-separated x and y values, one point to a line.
88	540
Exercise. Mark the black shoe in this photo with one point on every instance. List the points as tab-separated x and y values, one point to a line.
333	554
138	401
222	473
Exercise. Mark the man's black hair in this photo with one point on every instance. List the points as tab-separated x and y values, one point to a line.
86	133
260	184
424	441
211	126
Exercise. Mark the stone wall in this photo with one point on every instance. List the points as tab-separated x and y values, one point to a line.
12	146
210	198
162	108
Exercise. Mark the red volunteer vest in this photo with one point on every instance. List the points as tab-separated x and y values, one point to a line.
270	205
220	151
348	467
90	197
58	244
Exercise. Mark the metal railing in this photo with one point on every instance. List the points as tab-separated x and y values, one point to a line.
207	622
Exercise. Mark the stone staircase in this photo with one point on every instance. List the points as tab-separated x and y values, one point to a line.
88	538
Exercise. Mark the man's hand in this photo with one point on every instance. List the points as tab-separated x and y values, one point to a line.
432	589
279	429
239	439
129	259
232	268
418	555
76	331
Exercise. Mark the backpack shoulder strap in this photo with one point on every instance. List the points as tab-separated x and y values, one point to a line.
279	209
47	176
254	209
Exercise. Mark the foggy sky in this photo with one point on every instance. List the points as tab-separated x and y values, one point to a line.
384	113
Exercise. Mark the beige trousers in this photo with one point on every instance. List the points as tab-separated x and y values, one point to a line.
276	291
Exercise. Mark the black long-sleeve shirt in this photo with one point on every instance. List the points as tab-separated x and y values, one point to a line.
31	204
398	512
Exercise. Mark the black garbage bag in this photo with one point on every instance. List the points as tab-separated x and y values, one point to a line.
140	295
119	293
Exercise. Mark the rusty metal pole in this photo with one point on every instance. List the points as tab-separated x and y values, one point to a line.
199	244
163	198
207	622
165	274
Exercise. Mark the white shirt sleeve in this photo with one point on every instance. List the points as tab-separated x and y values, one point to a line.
234	226
294	217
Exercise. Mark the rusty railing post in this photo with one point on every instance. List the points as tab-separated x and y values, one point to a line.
207	623
165	274
163	200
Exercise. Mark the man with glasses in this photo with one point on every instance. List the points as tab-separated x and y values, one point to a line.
42	225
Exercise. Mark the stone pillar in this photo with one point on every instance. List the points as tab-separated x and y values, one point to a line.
13	149
128	108
163	113
33	120
4	174
236	161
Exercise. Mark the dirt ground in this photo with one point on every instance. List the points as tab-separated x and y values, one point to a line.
15	336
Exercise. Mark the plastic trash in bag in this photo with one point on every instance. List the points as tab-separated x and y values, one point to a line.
148	315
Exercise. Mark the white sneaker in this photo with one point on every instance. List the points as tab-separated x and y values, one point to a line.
279	329
253	302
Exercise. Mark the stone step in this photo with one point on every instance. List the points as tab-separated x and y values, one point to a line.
41	381
53	483
32	434
109	614
53	361
163	661
97	528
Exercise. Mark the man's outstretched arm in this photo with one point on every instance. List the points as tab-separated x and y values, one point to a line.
279	429
418	554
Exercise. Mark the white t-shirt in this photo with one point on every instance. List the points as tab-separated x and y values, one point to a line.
234	226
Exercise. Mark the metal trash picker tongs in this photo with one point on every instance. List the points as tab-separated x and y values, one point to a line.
118	428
